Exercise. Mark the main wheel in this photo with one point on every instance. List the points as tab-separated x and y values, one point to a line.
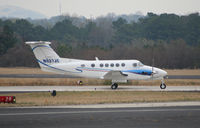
114	86
53	93
162	86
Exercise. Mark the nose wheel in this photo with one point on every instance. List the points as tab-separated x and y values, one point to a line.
114	86
163	85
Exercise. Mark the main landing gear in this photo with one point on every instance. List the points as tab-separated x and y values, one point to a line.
163	85
114	86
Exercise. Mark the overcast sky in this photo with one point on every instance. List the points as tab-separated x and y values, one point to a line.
94	8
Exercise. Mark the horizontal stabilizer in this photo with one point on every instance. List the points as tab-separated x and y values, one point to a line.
37	42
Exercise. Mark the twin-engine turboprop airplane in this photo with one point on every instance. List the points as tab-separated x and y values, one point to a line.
119	71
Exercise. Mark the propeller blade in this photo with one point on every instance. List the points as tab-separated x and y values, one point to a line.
152	68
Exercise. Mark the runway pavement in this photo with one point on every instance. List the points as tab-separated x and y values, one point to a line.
66	76
150	117
5	89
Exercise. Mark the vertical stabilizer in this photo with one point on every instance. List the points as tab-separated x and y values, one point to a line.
44	54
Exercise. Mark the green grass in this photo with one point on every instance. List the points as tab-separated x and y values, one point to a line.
76	98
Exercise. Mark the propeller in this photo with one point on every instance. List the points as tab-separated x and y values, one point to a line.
152	65
153	72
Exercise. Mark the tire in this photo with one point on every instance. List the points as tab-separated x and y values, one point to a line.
114	86
53	93
162	86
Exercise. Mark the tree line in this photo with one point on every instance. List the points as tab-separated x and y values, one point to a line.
166	40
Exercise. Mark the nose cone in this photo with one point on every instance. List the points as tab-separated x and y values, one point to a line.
162	73
159	73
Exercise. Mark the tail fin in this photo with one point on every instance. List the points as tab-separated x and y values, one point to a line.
44	54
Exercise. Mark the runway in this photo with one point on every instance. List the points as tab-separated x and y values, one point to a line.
150	117
5	89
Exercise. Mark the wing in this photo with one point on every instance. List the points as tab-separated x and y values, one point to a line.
116	76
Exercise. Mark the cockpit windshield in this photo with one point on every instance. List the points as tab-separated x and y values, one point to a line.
140	64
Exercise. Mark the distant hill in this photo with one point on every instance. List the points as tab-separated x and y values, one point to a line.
18	12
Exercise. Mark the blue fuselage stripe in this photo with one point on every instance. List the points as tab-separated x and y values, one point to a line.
139	72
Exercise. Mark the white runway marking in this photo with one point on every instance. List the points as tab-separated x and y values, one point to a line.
95	88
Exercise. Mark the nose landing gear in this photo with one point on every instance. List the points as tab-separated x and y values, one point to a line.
163	85
114	86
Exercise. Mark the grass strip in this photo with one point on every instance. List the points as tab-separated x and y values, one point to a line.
76	98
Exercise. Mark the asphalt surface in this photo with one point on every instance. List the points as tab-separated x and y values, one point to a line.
66	76
153	117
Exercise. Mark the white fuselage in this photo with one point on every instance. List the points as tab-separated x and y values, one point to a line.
134	69
116	70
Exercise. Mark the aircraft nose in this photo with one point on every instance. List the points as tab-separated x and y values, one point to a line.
163	73
159	73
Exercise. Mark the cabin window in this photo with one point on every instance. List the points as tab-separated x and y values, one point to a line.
101	65
106	65
111	65
134	64
123	64
82	65
92	65
117	65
